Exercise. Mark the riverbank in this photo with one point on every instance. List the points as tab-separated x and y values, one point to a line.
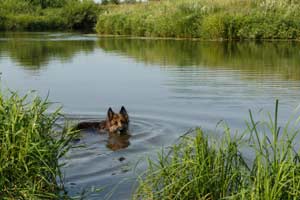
197	167
201	19
30	149
21	15
209	20
201	167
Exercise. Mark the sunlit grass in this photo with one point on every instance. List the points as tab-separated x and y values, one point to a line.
203	168
30	148
204	19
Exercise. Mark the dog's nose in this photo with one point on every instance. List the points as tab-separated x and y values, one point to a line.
122	129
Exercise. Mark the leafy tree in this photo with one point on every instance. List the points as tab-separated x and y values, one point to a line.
130	1
115	1
50	3
82	15
105	2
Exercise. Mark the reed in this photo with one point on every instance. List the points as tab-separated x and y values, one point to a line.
213	20
30	149
204	168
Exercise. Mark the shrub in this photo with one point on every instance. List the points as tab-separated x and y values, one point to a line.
82	15
16	7
3	20
50	3
36	15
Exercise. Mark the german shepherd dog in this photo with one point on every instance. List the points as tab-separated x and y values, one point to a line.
114	122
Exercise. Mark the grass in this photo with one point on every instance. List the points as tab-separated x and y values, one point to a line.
212	20
22	15
199	168
30	148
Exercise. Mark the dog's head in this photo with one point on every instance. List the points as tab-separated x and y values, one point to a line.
117	122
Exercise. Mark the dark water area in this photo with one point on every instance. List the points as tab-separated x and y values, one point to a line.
167	87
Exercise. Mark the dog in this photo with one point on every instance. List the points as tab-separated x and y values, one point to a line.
114	122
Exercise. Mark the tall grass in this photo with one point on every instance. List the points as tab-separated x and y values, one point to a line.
20	15
199	168
216	19
30	148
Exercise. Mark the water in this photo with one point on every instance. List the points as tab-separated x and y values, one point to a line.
167	86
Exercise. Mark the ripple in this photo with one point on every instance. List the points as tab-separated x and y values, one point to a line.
95	164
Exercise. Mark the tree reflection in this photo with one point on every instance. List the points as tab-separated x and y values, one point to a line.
33	53
280	59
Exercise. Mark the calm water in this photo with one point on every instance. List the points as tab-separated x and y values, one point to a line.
167	87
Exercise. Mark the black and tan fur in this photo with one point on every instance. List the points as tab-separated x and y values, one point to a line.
114	122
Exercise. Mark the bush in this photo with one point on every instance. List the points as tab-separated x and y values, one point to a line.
3	20
36	15
270	26
82	15
16	7
50	3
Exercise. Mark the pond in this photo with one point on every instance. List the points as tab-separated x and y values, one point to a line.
167	87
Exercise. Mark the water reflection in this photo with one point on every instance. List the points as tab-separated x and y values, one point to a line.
34	51
118	141
267	59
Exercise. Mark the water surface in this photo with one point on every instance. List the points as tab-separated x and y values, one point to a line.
167	86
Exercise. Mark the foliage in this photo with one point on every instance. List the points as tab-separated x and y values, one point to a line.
30	149
115	1
15	6
214	20
198	168
50	3
39	15
82	15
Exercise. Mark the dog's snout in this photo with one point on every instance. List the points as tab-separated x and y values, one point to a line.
121	129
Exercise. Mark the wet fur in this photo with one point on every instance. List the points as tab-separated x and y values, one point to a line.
114	123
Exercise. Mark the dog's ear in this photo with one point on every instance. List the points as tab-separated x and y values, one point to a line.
124	112
110	114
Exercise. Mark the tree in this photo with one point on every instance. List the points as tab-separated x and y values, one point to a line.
105	2
50	3
130	1
115	1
